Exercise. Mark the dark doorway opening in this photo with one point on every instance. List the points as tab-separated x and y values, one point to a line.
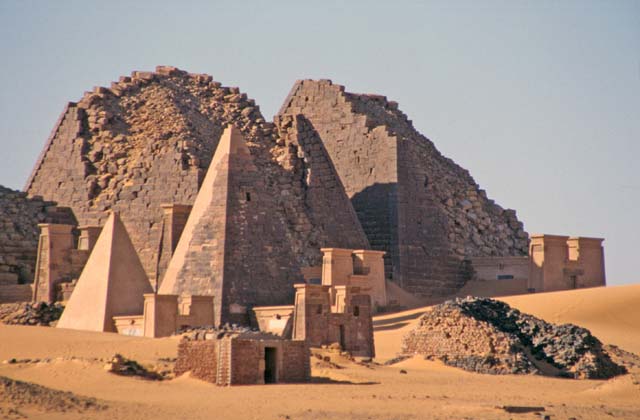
342	344
269	365
573	282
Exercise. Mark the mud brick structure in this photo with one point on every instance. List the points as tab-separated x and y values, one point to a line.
242	358
425	211
164	315
563	262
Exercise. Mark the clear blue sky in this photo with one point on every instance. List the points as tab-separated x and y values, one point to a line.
540	100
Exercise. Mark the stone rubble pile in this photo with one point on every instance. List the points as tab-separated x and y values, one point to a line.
23	395
122	366
213	333
150	114
488	336
27	313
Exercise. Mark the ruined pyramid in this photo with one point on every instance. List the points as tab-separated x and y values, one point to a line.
112	283
148	140
424	210
339	169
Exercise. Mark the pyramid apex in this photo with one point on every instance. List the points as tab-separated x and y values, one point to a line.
232	142
112	282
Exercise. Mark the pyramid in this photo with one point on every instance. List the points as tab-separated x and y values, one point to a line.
234	245
112	283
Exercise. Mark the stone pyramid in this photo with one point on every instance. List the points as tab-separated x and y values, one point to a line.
112	283
234	245
148	140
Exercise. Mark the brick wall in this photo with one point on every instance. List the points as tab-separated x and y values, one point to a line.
199	357
245	361
315	322
238	359
295	363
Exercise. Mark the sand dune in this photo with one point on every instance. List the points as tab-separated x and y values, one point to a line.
611	313
411	389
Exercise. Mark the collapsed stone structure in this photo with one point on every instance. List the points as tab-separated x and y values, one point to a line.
215	275
28	313
148	140
425	211
487	336
334	169
19	219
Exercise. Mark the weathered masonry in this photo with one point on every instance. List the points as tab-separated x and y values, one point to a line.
423	210
334	169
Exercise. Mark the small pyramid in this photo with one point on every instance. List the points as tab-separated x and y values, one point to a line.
202	240
112	283
233	246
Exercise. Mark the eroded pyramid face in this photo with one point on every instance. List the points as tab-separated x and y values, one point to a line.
148	140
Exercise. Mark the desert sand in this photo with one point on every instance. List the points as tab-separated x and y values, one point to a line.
412	389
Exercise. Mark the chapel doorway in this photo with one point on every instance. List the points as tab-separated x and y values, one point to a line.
269	365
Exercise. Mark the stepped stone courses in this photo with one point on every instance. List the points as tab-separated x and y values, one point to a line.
487	336
148	141
425	211
19	218
335	169
235	238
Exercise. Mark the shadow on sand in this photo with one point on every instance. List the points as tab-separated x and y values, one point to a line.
390	326
383	322
329	381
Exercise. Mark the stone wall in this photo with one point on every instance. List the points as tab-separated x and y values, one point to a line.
238	358
198	357
425	211
347	323
323	189
343	170
245	361
295	363
149	139
19	233
364	159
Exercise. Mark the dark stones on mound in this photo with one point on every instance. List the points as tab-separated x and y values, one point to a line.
27	313
488	336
